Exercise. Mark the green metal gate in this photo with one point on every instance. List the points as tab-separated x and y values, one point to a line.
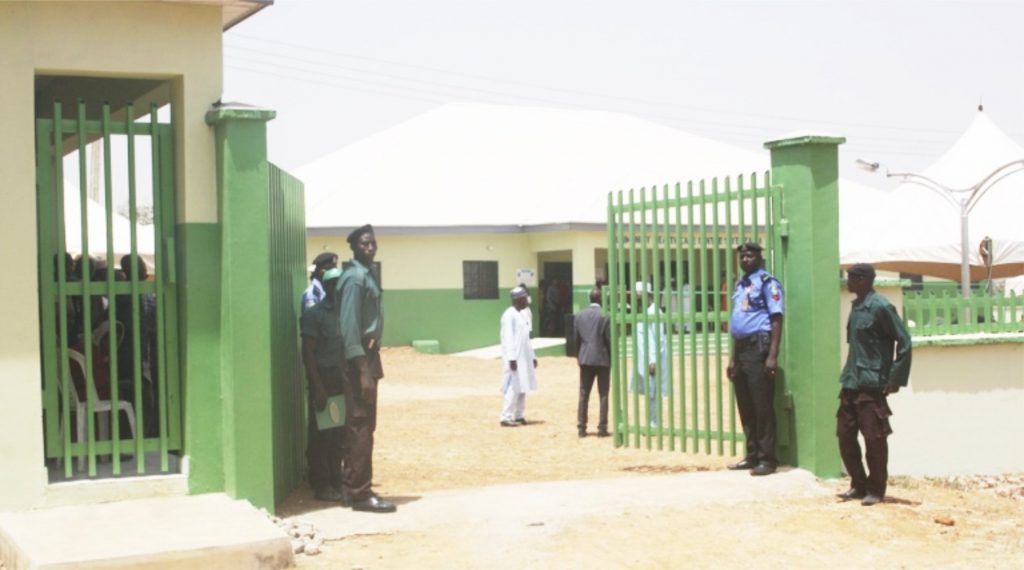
671	271
111	393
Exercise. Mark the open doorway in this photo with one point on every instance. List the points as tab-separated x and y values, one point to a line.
556	297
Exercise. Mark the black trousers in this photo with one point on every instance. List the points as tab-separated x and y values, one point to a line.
325	449
587	375
361	422
755	395
866	412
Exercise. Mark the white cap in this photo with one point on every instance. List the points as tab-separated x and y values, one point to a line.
642	287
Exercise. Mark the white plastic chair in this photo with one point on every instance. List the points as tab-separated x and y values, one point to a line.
99	407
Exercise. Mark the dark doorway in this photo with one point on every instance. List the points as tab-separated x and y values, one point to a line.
556	297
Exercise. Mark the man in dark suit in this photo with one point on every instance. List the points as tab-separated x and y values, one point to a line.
592	343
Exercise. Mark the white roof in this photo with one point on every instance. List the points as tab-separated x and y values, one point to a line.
916	229
469	164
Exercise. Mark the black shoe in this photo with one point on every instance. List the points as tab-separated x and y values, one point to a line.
763	469
583	433
508	423
521	421
328	494
871	499
374	504
603	433
852	493
747	463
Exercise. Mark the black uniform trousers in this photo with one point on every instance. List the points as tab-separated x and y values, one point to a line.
361	422
587	375
325	449
755	395
866	412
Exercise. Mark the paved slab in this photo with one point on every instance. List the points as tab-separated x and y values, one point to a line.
201	531
491	352
491	509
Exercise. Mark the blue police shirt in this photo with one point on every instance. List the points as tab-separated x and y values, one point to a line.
312	295
757	296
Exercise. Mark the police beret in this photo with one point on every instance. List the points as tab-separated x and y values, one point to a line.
749	246
324	258
357	233
862	269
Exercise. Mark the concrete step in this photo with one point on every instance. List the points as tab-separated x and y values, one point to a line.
199	531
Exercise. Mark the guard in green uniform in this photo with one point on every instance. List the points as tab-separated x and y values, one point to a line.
878	365
322	354
362	324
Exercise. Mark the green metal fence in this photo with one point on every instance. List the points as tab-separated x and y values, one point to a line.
120	382
287	281
671	270
943	313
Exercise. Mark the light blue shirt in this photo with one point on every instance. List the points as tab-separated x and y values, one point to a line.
757	296
313	294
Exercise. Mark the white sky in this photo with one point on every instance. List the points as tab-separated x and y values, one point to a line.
899	79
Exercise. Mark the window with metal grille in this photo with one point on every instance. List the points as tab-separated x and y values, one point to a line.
479	279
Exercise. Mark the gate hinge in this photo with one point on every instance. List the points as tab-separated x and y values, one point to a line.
784	227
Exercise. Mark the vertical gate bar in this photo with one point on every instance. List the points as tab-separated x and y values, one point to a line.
90	385
50	253
677	232
662	277
716	275
108	197
167	197
57	186
622	366
705	310
755	230
694	292
632	316
155	145
611	307
730	200
133	219
644	253
657	267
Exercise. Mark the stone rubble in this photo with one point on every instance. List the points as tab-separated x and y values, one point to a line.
1007	485
305	538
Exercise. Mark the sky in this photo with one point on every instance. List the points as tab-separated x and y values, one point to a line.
900	80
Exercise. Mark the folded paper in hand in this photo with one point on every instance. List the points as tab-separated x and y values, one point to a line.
333	414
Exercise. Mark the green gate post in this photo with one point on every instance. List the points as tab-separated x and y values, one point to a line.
245	358
807	170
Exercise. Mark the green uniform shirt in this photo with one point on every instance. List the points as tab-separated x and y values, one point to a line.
322	323
362	322
872	331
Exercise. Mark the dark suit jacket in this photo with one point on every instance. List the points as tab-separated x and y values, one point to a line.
592	337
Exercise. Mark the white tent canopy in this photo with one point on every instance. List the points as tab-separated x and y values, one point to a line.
491	165
914	229
96	217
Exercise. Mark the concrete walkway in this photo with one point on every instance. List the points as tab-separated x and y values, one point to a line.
201	531
491	352
493	510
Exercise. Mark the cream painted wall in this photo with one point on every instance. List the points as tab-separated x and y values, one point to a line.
435	262
963	412
133	39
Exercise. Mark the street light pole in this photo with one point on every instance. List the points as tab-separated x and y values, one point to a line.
963	199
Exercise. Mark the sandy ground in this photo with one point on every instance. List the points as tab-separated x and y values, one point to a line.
474	495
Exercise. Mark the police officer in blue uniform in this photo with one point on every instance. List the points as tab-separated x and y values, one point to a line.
756	328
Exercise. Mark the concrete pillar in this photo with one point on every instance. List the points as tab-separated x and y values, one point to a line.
807	169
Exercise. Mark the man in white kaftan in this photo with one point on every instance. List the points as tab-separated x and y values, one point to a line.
650	353
518	361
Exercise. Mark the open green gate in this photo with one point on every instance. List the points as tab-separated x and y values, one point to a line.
671	272
111	393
